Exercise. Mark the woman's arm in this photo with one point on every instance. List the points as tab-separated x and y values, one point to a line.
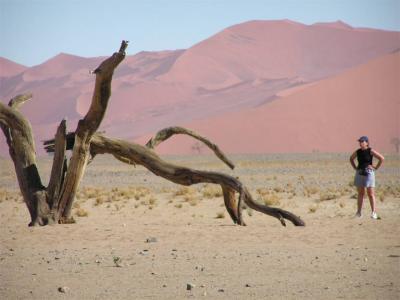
352	158
379	157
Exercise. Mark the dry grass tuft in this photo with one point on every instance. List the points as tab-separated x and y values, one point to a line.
80	212
220	215
192	200
270	199
313	208
329	195
211	191
310	190
185	190
7	195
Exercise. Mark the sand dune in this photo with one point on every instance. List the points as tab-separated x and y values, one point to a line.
9	68
241	67
327	116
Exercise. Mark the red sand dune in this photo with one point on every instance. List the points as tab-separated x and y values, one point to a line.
9	68
241	67
328	116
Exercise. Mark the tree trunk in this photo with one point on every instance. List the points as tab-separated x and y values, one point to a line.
53	204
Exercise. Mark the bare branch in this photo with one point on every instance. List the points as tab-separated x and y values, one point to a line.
166	133
19	100
19	137
87	127
59	162
186	176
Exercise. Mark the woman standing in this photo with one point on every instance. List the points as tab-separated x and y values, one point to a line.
365	174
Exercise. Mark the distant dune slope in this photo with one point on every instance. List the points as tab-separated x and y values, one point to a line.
327	116
244	66
10	68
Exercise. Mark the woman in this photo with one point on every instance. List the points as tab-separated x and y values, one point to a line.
365	174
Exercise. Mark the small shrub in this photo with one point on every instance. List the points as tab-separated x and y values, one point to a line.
278	189
312	209
99	201
185	190
263	191
152	200
270	200
328	196
310	190
212	191
220	215
80	212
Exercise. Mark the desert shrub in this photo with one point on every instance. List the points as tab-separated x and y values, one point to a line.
211	191
270	200
152	200
185	190
220	215
312	209
278	189
6	195
80	212
328	195
192	200
310	190
99	201
263	191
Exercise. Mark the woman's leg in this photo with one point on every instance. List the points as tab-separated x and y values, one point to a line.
371	196
360	200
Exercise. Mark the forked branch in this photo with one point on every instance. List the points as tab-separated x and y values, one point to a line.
166	133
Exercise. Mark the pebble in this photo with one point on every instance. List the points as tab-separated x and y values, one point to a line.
248	285
151	240
221	290
190	286
63	289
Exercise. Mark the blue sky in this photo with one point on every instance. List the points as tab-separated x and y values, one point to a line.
32	31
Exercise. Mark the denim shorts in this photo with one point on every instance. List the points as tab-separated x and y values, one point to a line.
365	181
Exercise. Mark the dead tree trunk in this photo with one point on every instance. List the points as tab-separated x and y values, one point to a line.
52	204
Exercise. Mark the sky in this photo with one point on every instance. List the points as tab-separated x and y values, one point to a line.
32	31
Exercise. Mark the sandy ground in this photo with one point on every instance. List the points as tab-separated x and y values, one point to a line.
144	238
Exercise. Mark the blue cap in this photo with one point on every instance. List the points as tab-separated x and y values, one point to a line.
363	139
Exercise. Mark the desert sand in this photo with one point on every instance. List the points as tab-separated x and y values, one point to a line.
138	236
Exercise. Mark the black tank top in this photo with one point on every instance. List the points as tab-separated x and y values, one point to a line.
364	158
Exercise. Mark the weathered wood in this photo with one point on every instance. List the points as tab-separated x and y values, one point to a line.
19	100
230	203
85	130
55	202
166	133
185	176
59	167
19	137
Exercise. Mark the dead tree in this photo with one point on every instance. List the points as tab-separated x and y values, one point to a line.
52	204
